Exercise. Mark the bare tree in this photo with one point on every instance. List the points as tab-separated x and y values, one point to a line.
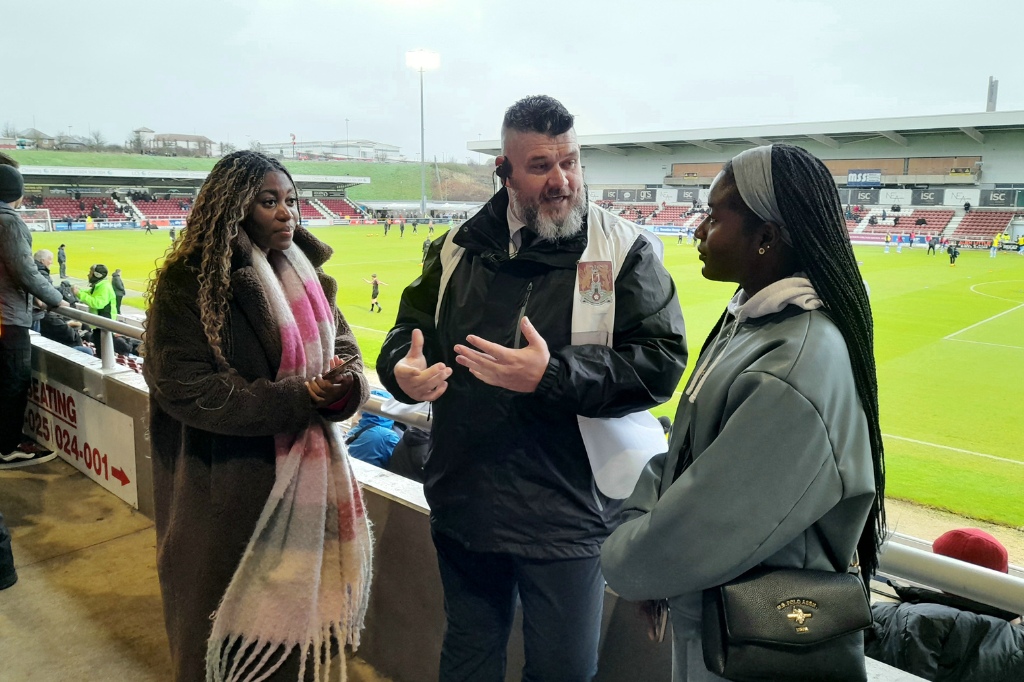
135	143
96	140
255	146
227	148
9	130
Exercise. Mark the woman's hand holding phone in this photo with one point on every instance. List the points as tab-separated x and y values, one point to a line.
335	384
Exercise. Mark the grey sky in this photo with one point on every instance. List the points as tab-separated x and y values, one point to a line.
237	70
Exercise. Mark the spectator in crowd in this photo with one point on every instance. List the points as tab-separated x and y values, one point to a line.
947	638
119	290
100	297
514	503
373	438
62	260
792	355
247	458
967	207
68	332
43	259
20	280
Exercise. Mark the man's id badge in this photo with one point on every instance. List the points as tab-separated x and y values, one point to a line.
595	281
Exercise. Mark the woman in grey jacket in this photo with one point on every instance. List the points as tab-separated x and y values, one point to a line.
776	447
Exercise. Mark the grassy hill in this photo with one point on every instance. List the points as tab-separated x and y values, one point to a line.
388	181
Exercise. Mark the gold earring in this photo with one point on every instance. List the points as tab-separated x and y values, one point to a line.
761	251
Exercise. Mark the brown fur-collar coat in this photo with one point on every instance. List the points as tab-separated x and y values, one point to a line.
212	436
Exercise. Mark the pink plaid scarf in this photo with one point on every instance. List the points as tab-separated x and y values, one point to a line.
305	576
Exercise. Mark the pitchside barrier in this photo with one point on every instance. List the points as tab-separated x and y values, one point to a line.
95	415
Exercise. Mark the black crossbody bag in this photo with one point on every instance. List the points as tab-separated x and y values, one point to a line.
785	623
788	623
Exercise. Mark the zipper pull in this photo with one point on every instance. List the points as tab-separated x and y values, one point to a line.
522	314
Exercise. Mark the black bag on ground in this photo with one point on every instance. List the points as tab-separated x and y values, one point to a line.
788	624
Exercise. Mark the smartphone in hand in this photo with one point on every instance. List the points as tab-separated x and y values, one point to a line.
335	372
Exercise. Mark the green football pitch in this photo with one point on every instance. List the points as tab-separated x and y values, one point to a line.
949	347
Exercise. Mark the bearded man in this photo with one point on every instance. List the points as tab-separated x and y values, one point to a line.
539	310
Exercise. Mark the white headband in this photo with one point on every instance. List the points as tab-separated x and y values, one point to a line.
753	172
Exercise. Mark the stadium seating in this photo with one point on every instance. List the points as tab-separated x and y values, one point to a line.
61	207
983	224
937	221
161	208
672	214
634	212
341	208
308	210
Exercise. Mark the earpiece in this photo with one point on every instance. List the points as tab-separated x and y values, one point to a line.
503	170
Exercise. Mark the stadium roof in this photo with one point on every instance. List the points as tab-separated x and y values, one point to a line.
833	134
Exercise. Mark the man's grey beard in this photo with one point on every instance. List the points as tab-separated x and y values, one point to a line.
547	228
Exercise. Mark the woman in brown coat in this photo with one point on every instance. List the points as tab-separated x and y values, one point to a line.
263	549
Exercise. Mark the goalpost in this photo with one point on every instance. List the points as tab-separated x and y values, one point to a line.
37	219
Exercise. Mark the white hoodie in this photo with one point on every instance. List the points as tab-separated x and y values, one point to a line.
796	290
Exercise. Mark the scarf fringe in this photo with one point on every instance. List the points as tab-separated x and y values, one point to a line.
241	660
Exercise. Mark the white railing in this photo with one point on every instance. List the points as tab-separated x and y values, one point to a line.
107	328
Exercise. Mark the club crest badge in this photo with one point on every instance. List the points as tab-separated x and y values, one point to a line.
595	281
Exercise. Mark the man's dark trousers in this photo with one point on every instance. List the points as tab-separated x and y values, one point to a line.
15	375
561	599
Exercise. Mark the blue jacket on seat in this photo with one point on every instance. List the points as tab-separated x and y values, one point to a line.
373	441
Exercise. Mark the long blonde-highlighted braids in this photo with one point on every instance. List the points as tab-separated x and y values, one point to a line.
219	212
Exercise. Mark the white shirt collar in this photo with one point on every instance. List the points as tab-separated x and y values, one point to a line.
515	225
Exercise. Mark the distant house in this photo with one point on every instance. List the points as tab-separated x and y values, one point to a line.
171	143
73	143
30	137
356	150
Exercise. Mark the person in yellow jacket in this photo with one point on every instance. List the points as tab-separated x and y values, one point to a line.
100	298
995	246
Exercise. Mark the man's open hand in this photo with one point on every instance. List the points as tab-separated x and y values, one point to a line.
419	382
515	369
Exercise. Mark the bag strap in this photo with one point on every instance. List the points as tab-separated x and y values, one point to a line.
355	434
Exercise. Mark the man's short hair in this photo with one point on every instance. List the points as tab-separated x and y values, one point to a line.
537	114
42	254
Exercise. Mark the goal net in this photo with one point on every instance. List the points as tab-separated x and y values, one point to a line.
37	219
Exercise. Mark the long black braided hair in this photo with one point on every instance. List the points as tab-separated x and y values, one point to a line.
809	203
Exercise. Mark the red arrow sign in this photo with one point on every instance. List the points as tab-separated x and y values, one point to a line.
119	475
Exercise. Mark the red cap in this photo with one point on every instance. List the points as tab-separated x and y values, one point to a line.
975	546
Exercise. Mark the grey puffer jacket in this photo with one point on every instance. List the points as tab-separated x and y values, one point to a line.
20	278
779	444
